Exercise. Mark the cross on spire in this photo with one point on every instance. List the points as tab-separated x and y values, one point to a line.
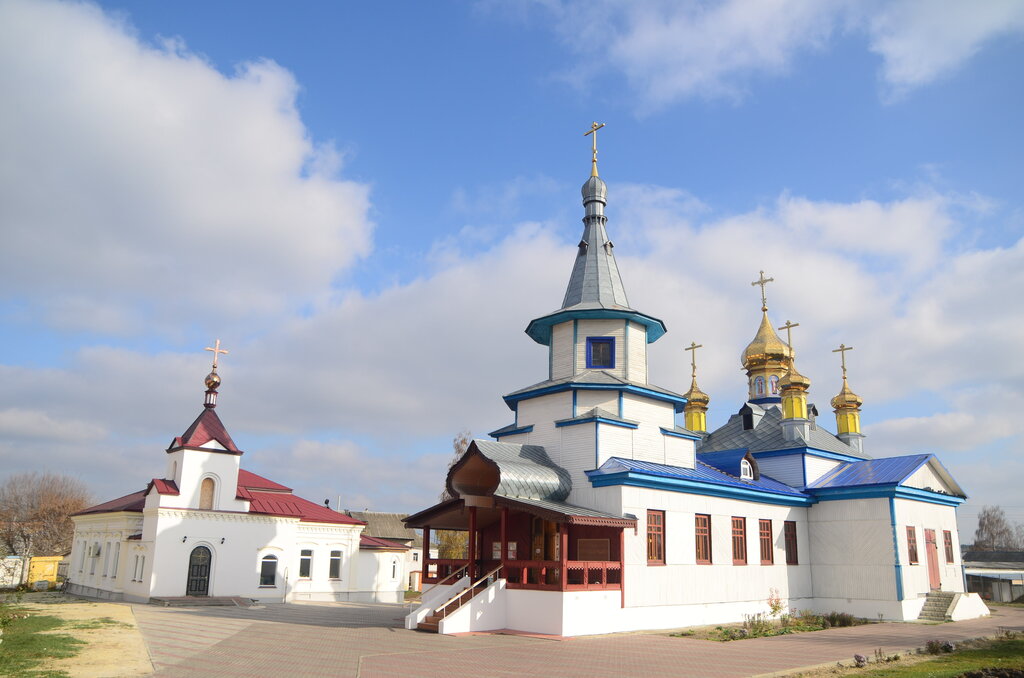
216	351
789	332
593	130
693	356
762	281
843	348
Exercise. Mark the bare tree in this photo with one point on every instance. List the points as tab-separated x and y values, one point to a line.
35	510
452	543
995	533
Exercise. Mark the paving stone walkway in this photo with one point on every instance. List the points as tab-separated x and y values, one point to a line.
368	641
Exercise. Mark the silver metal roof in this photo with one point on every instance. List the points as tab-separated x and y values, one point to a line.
594	377
767	435
597	412
526	471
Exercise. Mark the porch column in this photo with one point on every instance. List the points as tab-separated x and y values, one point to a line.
504	539
425	559
471	550
563	554
622	564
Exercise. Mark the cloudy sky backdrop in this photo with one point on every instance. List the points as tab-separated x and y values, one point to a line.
368	202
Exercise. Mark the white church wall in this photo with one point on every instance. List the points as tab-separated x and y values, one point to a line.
816	467
851	550
682	581
534	611
613	441
606	400
381	578
195	465
653	415
788	469
542	412
561	351
97	560
577	453
636	353
679	451
924	478
927	516
600	328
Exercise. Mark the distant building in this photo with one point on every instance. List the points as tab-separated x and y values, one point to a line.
208	527
389	526
995	575
595	511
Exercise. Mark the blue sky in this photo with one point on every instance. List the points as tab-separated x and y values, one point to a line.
367	203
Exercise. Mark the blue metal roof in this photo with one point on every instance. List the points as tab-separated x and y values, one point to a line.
702	473
888	471
724	460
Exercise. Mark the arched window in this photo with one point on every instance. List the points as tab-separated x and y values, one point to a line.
206	489
268	571
773	383
759	386
746	470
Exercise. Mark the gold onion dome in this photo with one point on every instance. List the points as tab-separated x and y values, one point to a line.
793	379
846	399
212	380
766	346
695	395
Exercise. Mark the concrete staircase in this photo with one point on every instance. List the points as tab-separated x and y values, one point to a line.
936	606
202	601
433	621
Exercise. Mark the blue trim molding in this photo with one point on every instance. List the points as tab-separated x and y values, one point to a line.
885	491
760	496
813	451
540	329
599	420
896	549
574	403
677	401
677	434
512	432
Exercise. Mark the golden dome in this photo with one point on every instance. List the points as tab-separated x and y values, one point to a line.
766	346
696	396
847	399
793	379
212	380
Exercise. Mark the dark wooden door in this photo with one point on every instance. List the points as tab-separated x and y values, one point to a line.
932	550
198	572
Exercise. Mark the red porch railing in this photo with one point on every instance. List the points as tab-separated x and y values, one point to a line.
436	570
542	575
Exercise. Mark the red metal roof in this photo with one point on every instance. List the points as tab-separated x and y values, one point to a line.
251	481
382	544
205	428
282	504
163	486
130	502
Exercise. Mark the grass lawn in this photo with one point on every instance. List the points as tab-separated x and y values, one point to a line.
999	654
25	646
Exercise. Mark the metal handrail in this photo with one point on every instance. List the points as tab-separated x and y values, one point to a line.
439	610
454	576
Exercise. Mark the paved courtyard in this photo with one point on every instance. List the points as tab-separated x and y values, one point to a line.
368	641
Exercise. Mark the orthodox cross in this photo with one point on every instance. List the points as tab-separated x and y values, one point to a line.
216	350
593	130
693	356
789	332
843	348
762	281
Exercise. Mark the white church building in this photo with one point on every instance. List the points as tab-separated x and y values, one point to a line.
209	528
594	511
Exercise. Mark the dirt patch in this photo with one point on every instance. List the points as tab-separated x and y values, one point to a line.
114	646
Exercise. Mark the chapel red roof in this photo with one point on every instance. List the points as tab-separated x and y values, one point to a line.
251	481
135	501
205	428
377	543
163	486
286	504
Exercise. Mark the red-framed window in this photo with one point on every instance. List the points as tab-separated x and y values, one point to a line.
789	532
702	528
655	537
739	540
764	529
912	545
947	539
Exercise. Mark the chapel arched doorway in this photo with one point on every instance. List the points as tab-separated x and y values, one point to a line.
198	572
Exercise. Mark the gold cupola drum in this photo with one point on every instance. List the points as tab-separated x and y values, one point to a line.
846	405
696	408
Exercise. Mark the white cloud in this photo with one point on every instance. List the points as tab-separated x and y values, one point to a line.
676	50
171	181
32	424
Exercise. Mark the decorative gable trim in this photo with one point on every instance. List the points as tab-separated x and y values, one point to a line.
633	479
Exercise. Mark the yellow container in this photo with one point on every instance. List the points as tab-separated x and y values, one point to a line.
43	568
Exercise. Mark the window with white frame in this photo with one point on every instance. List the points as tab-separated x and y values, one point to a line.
268	571
335	570
305	563
746	470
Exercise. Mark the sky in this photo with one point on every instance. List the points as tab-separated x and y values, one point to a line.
368	202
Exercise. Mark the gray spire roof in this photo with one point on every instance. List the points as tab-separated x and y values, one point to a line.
595	281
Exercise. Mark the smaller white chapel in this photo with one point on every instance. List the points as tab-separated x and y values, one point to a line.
209	528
